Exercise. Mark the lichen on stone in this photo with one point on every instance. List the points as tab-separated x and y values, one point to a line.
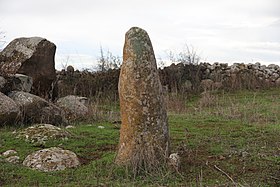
39	134
51	159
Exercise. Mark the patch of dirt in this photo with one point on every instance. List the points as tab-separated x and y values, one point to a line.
97	154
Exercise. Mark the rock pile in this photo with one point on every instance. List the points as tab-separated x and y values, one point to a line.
28	85
220	72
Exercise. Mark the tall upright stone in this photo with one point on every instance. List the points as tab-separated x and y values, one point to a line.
144	135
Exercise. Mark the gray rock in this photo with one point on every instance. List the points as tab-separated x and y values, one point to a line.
73	106
3	82
174	161
13	159
9	153
33	57
277	82
9	110
37	110
51	159
25	83
41	133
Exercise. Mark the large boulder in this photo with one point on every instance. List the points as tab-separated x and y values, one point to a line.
37	110
144	134
73	106
33	57
41	133
9	110
51	159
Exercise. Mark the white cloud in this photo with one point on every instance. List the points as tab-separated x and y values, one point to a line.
223	30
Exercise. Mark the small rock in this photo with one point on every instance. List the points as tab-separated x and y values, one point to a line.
51	159
9	152
244	154
70	127
101	127
13	159
175	161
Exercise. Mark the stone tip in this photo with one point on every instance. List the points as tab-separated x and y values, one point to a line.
136	31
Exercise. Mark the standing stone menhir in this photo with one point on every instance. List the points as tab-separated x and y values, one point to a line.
144	135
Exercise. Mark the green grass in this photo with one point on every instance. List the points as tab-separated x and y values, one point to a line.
238	133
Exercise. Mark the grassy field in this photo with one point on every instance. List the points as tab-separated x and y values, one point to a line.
224	139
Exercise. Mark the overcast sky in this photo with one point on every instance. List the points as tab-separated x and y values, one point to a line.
220	30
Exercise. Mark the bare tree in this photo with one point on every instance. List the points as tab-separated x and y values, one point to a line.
187	56
108	61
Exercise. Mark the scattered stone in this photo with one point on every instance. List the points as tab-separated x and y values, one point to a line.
9	153
41	133
13	159
37	110
144	134
101	127
51	159
9	111
70	127
174	161
244	154
33	57
73	106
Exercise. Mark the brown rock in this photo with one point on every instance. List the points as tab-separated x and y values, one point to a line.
33	57
144	135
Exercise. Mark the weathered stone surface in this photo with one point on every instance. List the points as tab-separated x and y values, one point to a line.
37	110
144	135
174	161
16	82
52	159
73	106
9	110
33	57
10	156
3	82
39	134
25	83
12	159
9	153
